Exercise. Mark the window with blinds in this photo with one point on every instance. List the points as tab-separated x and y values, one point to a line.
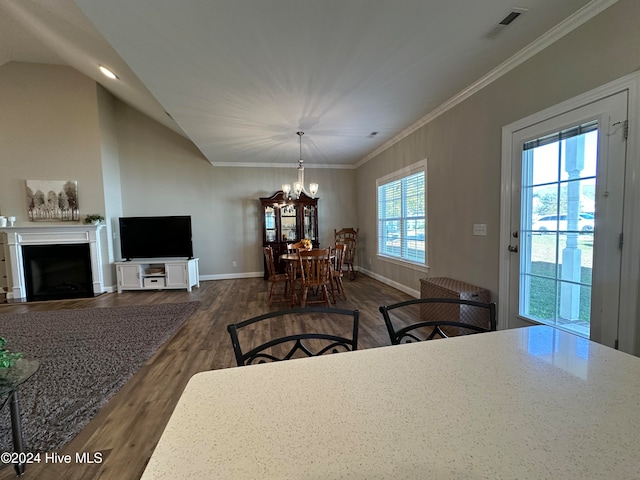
561	135
402	215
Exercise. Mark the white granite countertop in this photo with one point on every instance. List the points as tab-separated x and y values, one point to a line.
532	403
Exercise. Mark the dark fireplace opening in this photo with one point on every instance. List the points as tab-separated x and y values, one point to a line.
55	272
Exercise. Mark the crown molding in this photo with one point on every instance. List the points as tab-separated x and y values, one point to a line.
580	17
282	165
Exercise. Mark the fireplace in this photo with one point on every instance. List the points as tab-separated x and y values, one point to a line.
51	261
55	272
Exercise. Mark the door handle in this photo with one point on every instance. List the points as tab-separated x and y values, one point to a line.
513	248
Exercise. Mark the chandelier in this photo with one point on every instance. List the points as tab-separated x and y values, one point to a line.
298	187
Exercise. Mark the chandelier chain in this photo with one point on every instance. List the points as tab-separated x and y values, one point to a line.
298	187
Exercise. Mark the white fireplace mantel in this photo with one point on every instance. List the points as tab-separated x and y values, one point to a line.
50	235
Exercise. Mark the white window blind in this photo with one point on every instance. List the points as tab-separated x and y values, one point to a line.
402	218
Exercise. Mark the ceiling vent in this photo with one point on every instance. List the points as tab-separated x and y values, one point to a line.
508	19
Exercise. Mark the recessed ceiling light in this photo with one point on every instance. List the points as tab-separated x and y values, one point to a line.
107	73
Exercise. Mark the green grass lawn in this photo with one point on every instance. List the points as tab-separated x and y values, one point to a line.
544	296
545	301
543	248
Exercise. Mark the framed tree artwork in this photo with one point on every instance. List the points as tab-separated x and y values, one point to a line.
52	200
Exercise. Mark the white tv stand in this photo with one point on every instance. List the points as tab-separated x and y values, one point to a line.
157	274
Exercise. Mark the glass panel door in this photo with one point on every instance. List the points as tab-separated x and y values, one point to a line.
309	222
566	220
289	223
270	224
558	204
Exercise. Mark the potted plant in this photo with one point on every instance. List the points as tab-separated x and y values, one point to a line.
93	218
7	358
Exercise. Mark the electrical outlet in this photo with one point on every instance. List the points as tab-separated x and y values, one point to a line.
234	264
480	229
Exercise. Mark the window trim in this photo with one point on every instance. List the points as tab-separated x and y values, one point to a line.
418	167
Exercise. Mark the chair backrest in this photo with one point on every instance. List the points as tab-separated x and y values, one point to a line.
345	233
294	247
316	265
294	333
348	237
428	318
339	261
271	265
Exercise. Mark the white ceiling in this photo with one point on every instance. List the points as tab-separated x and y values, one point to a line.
241	77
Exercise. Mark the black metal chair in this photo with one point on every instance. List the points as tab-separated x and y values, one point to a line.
294	333
428	318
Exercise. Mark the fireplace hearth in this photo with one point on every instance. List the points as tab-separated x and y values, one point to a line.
56	272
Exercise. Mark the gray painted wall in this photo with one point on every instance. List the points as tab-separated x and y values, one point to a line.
49	130
58	124
53	124
463	148
164	174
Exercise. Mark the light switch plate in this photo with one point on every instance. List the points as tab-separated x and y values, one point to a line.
480	229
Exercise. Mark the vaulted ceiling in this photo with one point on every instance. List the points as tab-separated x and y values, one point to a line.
239	78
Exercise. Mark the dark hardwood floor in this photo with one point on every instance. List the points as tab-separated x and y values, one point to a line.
127	429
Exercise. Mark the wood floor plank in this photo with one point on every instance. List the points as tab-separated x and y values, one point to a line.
127	429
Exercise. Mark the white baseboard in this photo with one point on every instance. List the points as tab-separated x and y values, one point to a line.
231	276
403	288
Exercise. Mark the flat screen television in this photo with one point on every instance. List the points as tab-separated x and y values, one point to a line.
155	237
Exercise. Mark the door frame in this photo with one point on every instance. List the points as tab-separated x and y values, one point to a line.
628	330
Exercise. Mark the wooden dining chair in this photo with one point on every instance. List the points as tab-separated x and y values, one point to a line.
276	279
348	237
337	287
294	333
294	272
429	318
295	247
315	275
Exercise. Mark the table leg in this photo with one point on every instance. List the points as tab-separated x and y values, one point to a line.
16	429
334	296
291	271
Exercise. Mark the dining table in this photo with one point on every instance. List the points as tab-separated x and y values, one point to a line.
527	403
292	261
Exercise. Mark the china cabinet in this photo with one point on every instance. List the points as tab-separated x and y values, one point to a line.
288	221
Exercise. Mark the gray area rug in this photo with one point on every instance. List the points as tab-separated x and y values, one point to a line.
86	356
